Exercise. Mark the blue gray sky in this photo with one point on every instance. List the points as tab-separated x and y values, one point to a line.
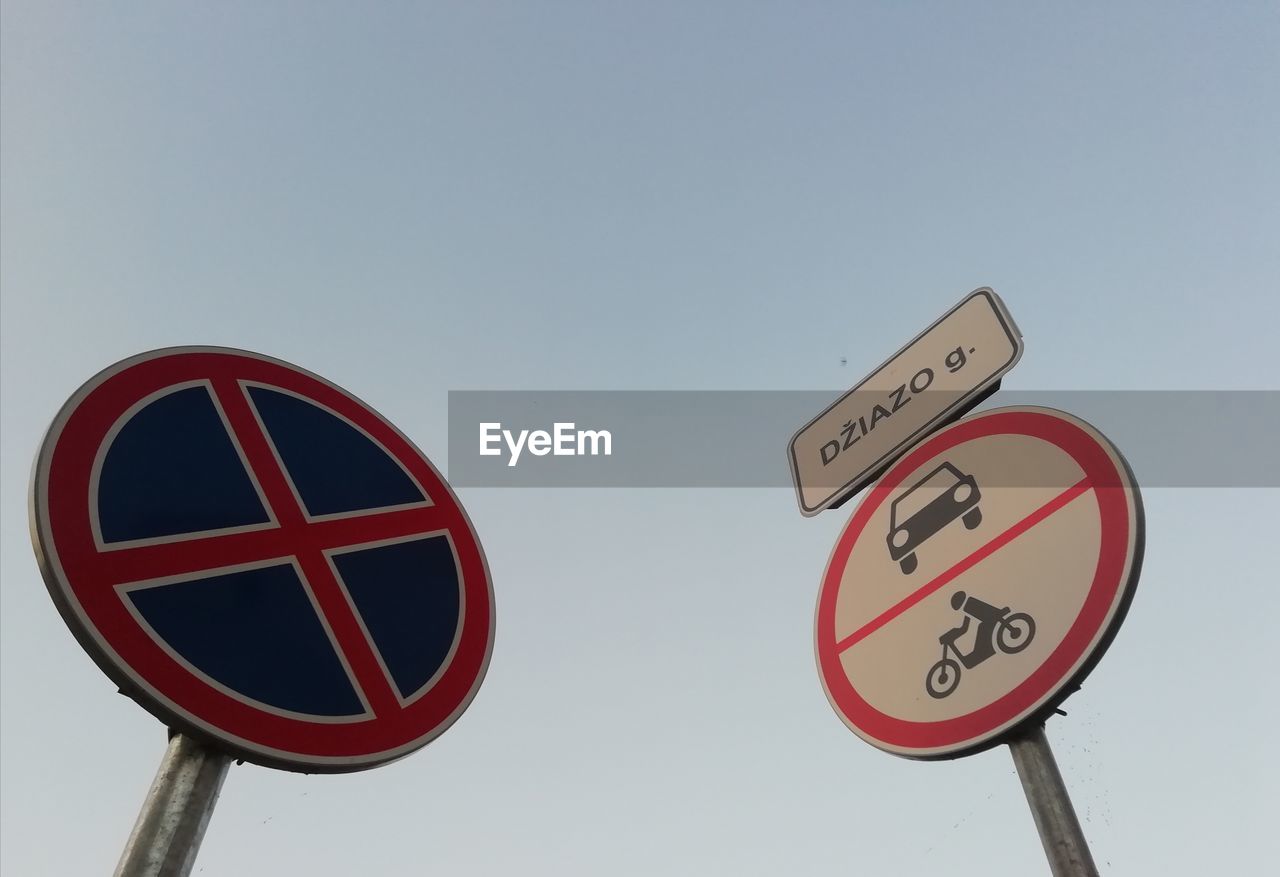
413	198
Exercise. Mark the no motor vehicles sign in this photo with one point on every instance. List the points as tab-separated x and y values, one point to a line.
978	582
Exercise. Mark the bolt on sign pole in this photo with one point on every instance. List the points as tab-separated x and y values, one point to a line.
1055	818
266	565
176	813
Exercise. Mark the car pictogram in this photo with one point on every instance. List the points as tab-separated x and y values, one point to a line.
932	503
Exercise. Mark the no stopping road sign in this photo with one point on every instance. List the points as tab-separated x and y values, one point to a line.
261	560
978	582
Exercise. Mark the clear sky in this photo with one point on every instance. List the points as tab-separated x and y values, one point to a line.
412	198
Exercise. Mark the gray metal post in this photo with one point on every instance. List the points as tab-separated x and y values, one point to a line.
1055	818
177	810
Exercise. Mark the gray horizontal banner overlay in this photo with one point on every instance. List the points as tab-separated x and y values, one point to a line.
653	438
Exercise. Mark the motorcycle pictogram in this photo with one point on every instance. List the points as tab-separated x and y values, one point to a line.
997	628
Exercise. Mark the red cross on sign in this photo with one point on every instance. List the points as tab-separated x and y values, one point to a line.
261	560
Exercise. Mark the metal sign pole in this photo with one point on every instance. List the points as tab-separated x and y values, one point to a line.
1055	818
176	812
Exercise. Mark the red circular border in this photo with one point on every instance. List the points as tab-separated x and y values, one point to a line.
1112	490
66	492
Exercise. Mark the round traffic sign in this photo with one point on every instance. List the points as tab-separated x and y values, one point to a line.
978	582
261	560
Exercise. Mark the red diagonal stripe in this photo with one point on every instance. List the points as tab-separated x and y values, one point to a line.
967	563
123	565
324	586
390	524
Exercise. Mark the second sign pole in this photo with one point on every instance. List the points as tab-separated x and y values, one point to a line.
1051	808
